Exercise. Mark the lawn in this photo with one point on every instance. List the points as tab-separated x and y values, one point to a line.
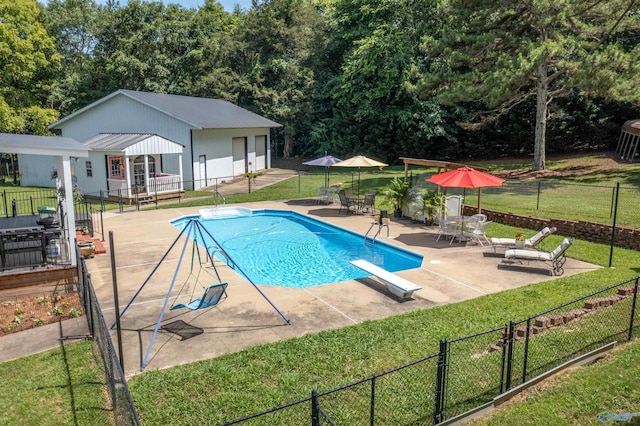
606	391
63	386
255	379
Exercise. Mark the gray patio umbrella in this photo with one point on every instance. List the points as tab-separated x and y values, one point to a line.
326	162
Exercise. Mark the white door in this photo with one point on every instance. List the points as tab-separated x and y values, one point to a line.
240	164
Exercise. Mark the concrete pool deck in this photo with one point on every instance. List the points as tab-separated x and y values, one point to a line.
448	274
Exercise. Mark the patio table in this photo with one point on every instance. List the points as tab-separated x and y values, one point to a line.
462	223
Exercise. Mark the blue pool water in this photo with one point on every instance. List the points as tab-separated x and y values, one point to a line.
285	248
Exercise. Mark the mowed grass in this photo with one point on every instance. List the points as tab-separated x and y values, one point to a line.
255	379
258	378
608	388
63	386
577	191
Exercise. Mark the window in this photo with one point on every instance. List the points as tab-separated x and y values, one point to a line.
116	167
89	169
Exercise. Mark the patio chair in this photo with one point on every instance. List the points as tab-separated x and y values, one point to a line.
322	195
453	205
345	204
447	228
529	243
368	205
478	232
348	192
555	259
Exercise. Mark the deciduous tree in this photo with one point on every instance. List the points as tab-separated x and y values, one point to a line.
28	63
500	54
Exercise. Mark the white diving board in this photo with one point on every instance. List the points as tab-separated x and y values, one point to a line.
397	285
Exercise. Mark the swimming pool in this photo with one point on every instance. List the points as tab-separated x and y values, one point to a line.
289	249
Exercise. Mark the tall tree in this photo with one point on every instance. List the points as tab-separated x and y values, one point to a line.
73	23
144	46
500	54
375	111
28	63
279	39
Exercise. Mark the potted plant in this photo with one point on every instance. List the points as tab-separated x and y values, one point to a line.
398	194
430	203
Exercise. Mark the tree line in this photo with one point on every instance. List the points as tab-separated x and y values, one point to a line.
438	79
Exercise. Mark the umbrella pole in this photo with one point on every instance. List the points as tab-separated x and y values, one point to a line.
479	198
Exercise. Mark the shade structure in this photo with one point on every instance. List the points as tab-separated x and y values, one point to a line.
326	162
360	161
466	177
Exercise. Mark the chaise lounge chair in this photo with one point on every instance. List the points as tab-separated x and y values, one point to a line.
529	243
554	259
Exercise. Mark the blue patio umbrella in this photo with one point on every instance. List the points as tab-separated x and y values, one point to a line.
326	162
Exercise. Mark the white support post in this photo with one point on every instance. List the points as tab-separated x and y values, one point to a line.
146	173
63	166
127	176
180	172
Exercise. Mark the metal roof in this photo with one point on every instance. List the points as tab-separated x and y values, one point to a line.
201	113
41	145
119	141
632	126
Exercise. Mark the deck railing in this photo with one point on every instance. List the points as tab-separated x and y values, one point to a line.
163	183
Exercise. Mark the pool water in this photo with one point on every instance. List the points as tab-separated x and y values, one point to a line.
288	249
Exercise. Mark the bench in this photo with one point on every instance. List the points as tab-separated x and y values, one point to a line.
397	285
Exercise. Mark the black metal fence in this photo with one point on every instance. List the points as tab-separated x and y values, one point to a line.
470	371
124	412
20	203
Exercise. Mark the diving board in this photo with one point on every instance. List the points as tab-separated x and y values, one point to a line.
397	285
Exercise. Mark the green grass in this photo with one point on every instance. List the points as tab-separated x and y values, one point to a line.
63	386
577	398
257	378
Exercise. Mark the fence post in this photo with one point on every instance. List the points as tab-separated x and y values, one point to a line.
510	354
526	351
372	410
4	201
315	418
633	309
613	227
505	338
31	203
438	414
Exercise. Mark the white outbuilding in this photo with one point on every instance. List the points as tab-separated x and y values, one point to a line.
219	140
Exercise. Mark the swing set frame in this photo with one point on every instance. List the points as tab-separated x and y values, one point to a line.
194	231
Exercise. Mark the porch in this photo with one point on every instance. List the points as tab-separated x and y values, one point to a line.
161	186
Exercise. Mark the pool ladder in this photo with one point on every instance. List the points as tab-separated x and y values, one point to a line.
377	226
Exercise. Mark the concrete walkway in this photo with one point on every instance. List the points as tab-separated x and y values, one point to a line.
448	274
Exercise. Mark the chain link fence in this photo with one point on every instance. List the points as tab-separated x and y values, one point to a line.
124	412
470	371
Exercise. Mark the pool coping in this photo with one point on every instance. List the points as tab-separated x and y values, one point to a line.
448	274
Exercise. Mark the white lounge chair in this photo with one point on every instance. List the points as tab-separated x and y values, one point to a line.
554	259
529	243
397	285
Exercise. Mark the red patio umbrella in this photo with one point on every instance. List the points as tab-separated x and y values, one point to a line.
466	177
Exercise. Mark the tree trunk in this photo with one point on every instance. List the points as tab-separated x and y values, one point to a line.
288	147
542	87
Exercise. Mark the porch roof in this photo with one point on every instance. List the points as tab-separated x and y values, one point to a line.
133	144
42	145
